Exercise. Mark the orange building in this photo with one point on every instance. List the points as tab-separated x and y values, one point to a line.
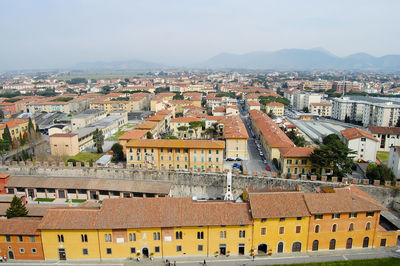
345	219
20	239
3	180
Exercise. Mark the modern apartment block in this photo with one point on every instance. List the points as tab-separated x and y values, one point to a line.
369	112
305	99
387	136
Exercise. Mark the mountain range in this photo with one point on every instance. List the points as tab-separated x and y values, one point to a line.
285	59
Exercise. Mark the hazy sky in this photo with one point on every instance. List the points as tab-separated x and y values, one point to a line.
57	33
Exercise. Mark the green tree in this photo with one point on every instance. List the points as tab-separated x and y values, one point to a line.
299	141
1	114
98	139
398	123
178	96
7	136
16	209
182	128
195	125
271	114
333	154
30	125
118	154
149	135
305	110
380	172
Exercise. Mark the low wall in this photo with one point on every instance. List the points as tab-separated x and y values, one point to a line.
201	185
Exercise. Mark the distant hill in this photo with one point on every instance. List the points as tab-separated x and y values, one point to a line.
300	59
118	65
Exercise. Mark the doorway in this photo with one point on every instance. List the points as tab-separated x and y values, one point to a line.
222	249
349	243
296	247
262	249
10	255
31	193
365	242
93	195
241	249
61	254
145	252
61	194
280	247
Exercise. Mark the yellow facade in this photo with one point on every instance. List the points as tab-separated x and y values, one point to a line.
295	165
16	127
230	238
72	242
236	148
269	232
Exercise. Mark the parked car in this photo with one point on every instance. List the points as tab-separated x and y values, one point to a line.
236	165
261	154
267	168
230	159
265	161
239	159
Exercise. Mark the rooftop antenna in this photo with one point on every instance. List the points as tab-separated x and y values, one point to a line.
228	194
344	85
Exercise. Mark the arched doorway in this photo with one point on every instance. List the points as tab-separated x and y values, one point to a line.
262	249
280	247
332	244
145	252
315	245
296	247
365	242
10	255
349	243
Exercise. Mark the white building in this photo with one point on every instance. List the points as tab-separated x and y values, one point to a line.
362	142
394	160
302	99
322	109
387	137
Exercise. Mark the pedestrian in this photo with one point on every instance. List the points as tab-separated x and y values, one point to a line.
167	262
174	262
204	263
5	258
254	257
1	259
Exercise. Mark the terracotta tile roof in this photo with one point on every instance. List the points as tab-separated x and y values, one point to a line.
275	104
133	134
385	130
19	226
358	192
339	202
156	117
163	112
169	212
296	152
321	104
253	103
185	119
69	218
355	133
275	137
234	128
147	125
13	123
278	204
177	143
63	135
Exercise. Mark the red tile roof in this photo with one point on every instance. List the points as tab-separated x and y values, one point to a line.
296	152
385	130
19	226
177	143
63	135
13	123
133	134
355	133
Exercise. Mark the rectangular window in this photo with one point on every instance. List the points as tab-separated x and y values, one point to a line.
281	219
299	218
336	216
242	234
179	248
109	251
107	237
85	251
209	159
199	247
263	220
353	215
298	229
383	242
156	236
281	230
222	234
263	231
22	250
177	150
20	239
217	151
318	217
289	161
133	250
303	161
132	237
162	149
200	235
156	249
33	250
178	235
370	214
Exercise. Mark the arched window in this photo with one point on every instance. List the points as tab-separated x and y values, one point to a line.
296	247
365	242
315	245
280	247
332	244
351	227
316	230
334	227
132	237
368	226
349	243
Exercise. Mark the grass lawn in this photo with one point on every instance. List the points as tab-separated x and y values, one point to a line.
383	156
371	262
117	135
44	200
77	200
86	156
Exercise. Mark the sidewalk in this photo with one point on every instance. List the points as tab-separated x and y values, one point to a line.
288	258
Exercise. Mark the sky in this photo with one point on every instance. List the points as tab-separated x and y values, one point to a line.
37	34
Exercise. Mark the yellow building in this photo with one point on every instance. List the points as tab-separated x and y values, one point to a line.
180	127
184	155
278	109
16	127
296	160
235	134
161	97
121	102
165	227
280	222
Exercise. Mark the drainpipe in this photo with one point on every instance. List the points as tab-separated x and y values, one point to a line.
98	240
